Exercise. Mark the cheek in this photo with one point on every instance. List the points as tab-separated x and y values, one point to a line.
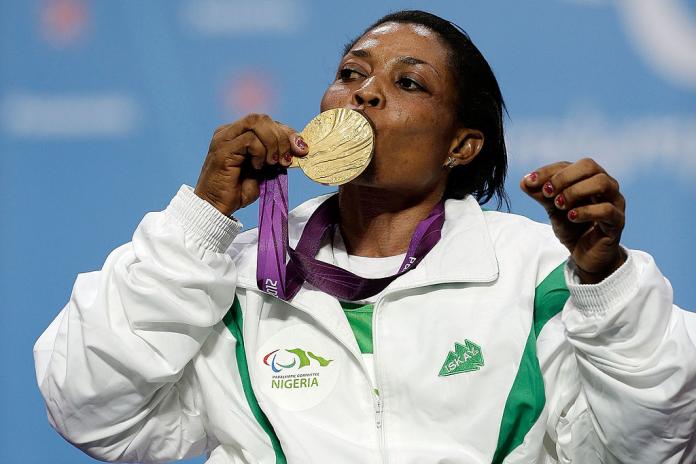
418	133
336	96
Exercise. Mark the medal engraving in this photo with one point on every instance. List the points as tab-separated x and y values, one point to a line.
340	146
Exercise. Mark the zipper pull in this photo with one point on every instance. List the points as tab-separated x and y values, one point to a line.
378	413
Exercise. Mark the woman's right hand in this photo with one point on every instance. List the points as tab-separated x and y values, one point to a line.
238	152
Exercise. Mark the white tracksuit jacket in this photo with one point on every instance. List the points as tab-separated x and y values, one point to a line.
478	356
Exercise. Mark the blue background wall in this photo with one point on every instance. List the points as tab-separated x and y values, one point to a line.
107	107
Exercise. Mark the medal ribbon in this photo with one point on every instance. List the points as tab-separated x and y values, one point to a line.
281	278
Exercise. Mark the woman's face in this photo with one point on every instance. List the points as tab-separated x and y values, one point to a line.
398	75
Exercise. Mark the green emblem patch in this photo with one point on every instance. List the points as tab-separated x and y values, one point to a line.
465	358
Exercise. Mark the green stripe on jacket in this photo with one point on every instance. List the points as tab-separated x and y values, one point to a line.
527	398
234	322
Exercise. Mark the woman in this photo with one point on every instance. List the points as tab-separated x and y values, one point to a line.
489	349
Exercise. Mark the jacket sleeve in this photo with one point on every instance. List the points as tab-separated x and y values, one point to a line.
114	366
628	383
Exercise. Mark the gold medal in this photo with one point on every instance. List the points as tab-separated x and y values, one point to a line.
340	146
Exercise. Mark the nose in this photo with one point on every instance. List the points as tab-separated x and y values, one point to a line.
369	95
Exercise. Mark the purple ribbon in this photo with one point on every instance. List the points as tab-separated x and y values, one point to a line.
282	278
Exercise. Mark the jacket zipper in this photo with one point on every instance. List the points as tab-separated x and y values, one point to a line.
379	401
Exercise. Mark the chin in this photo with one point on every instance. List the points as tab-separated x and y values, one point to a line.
371	181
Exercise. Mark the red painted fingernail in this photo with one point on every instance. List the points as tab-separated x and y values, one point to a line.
288	157
572	215
560	201
300	143
532	176
275	157
548	188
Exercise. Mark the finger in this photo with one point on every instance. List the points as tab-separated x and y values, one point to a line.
532	184
247	146
297	147
289	144
571	174
249	191
273	152
535	180
221	128
297	143
264	128
598	188
284	143
260	124
237	128
607	216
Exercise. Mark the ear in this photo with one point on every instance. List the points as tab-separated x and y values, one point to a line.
466	145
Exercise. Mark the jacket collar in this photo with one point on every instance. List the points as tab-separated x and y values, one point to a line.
465	252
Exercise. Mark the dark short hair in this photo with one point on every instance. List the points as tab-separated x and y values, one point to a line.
479	105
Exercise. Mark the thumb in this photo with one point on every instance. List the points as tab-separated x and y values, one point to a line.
532	186
299	146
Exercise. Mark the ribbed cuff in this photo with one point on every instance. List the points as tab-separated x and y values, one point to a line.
594	300
208	226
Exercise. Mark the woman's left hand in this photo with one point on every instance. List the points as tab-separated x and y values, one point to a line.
586	211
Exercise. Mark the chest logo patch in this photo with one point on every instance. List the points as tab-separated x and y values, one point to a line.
465	358
297	368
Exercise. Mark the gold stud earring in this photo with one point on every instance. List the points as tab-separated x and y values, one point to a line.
451	162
